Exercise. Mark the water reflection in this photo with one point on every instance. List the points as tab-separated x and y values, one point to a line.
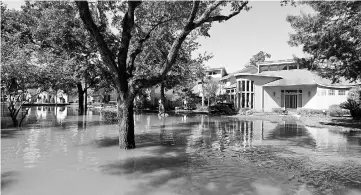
181	154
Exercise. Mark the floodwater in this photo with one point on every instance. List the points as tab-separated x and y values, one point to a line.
58	152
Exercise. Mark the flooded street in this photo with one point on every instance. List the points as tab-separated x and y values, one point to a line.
58	152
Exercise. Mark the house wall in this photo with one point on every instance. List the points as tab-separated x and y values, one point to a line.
260	93
216	73
311	97
320	101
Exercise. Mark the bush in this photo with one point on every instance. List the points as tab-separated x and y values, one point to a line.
221	109
310	112
353	103
279	111
199	107
246	111
110	115
336	110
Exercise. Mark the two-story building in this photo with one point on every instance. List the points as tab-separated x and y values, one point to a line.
286	84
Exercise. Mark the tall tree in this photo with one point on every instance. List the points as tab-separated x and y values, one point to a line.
211	88
140	25
259	57
182	73
59	32
19	72
332	38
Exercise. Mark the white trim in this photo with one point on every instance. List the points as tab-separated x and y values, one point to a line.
339	87
272	63
257	75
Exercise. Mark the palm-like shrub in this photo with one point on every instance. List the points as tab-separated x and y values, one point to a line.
353	102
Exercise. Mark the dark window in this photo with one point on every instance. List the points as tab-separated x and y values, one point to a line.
263	68
273	68
302	66
243	100
282	67
247	85
292	66
243	85
252	83
341	92
248	101
252	100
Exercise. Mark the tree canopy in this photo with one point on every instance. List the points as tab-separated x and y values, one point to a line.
332	38
259	57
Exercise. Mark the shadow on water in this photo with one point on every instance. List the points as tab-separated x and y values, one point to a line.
344	122
7	179
10	133
164	159
200	154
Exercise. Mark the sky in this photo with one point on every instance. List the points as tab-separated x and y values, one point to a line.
234	42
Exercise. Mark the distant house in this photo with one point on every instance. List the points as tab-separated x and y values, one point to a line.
286	84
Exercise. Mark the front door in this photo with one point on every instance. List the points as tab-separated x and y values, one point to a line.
291	101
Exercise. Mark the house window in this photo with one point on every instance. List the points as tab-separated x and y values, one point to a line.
323	92
247	94
282	67
341	92
263	68
292	66
331	92
273	68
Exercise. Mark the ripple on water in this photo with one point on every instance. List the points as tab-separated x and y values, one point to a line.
181	155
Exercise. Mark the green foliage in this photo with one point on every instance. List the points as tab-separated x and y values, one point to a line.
311	112
201	108
110	115
353	103
259	57
210	88
278	110
221	109
336	110
246	111
222	98
332	37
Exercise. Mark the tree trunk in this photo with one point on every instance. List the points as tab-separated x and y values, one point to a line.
15	120
126	124
80	98
85	101
162	99
202	95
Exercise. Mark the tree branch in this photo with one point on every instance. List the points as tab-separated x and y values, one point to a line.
126	36
140	43
205	17
105	52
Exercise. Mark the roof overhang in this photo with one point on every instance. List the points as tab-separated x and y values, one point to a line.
290	85
248	75
338	86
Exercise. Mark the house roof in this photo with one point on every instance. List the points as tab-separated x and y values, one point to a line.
220	68
287	61
248	69
303	77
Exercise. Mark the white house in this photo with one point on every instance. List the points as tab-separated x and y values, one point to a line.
286	84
